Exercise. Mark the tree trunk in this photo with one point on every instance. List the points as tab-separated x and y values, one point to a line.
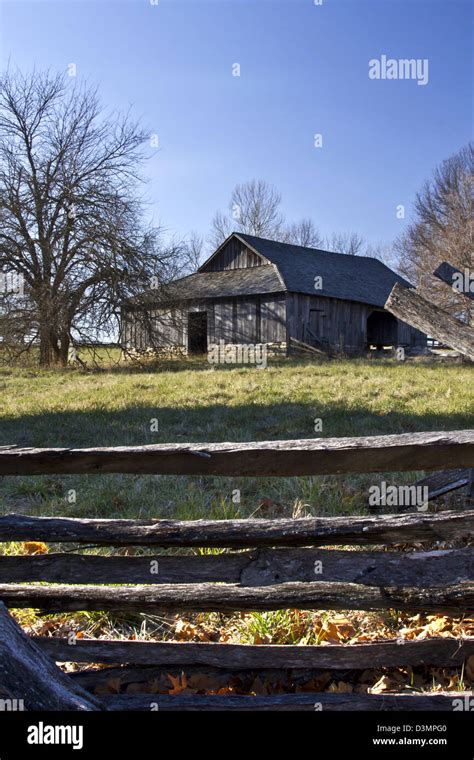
64	349
46	349
54	344
47	329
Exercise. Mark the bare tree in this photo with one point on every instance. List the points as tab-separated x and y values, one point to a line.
304	233
194	247
71	222
254	208
441	231
385	253
346	242
221	227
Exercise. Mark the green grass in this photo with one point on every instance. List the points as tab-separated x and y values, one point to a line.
194	402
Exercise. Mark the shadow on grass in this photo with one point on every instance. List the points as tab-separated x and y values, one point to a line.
146	424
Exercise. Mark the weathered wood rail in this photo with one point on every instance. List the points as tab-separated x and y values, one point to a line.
239	534
437	484
440	483
216	597
261	564
436	651
321	456
407	304
49	688
257	567
288	702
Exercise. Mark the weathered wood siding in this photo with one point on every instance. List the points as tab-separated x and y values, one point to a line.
410	336
167	327
134	332
272	318
250	319
338	323
234	255
245	319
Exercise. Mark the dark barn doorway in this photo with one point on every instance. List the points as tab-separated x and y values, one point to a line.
197	332
382	329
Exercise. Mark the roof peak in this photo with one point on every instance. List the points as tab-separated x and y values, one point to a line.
246	235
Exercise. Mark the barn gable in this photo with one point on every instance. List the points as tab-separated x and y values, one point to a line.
234	253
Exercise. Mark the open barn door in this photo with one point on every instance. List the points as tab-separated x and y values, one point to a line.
197	332
382	329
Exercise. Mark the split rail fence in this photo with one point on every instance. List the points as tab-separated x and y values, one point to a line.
266	564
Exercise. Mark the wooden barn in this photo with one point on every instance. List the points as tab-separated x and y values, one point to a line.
258	291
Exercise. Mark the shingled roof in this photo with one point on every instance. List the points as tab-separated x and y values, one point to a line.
226	283
286	268
351	278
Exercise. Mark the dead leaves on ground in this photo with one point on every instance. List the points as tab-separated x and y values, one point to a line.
266	683
185	630
306	627
337	630
300	627
34	547
429	626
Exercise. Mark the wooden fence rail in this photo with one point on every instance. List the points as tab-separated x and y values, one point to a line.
448	274
321	456
243	533
286	702
435	651
409	306
216	597
29	674
256	567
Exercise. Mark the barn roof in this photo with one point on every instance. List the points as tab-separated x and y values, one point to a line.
229	282
351	278
285	267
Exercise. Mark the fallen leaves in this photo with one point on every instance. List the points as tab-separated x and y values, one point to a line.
179	684
385	683
34	547
341	687
337	630
429	626
186	630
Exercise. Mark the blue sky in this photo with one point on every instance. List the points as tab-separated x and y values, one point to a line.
303	70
